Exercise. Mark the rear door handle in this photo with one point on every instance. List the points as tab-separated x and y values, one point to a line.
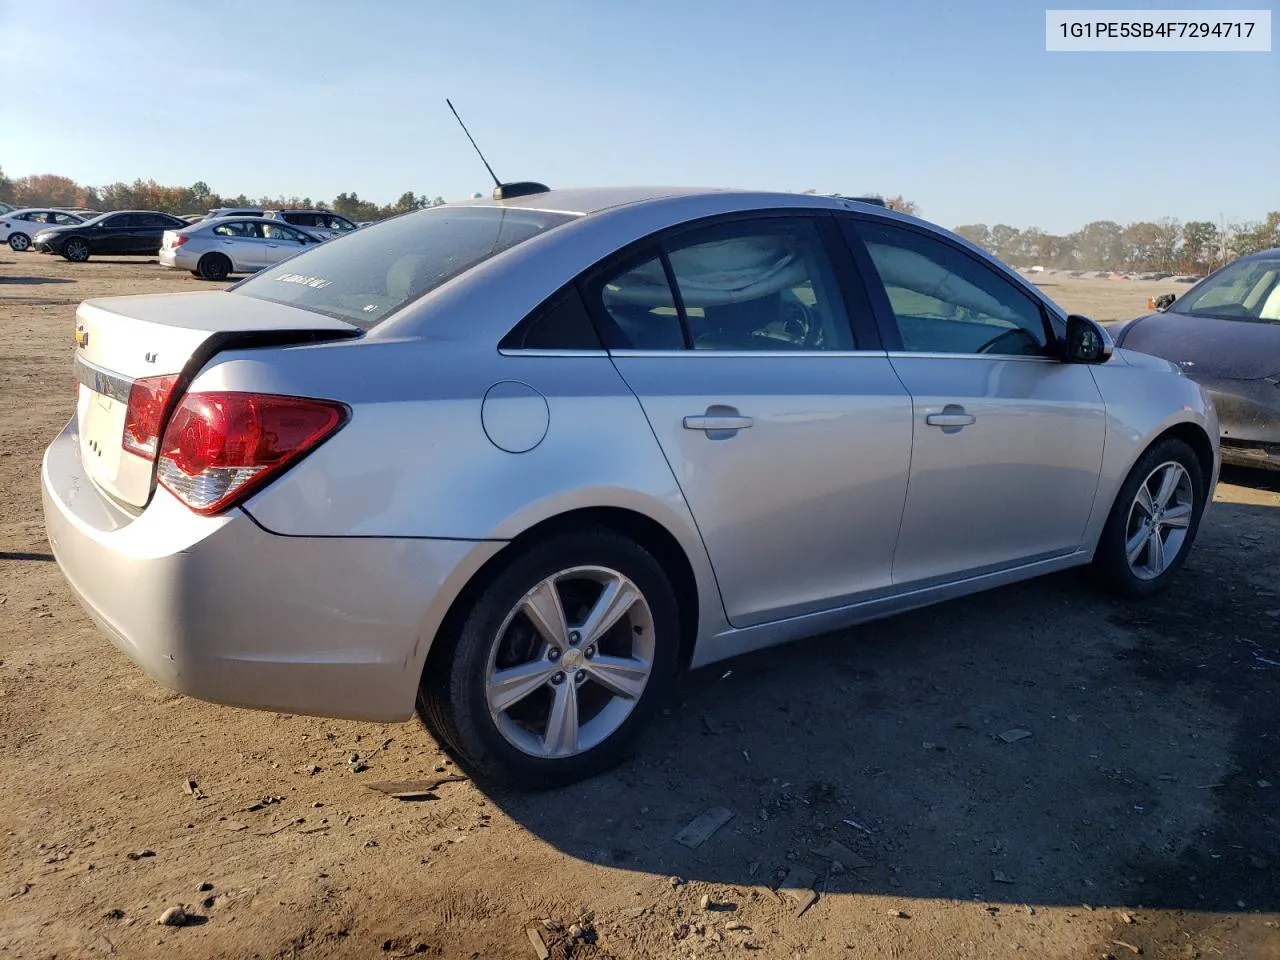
709	422
949	419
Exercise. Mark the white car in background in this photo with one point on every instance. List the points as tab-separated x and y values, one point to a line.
323	223
17	227
213	249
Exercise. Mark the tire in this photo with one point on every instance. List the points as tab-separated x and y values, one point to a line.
19	242
214	266
75	249
1152	569
516	745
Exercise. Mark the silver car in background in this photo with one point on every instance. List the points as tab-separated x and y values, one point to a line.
213	249
517	462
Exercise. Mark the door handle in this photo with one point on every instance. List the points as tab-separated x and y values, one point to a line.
717	422
950	419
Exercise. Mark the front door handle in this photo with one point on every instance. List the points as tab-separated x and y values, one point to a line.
717	423
949	419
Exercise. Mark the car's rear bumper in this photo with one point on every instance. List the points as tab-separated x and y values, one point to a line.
1245	453
177	258
222	610
1248	420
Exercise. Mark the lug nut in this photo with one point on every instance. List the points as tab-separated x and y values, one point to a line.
589	652
557	678
580	676
575	637
553	654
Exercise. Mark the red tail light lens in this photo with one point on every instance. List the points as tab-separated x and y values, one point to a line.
147	400
220	447
178	240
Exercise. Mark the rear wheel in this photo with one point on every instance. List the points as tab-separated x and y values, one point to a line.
1153	521
19	241
76	250
558	663
214	266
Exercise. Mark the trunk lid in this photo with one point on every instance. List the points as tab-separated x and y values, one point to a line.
120	340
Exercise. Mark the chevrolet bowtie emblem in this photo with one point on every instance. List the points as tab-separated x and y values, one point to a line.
82	337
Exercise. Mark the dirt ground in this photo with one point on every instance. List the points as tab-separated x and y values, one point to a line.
1138	818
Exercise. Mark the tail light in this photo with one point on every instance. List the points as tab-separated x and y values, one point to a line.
142	421
220	447
177	240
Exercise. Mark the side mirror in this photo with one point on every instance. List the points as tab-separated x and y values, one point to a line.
1087	341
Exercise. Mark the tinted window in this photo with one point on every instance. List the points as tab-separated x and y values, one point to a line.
156	220
338	223
638	303
946	301
760	285
122	220
1245	290
368	274
303	219
562	324
64	219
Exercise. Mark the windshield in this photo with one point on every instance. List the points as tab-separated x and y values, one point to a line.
1246	290
366	275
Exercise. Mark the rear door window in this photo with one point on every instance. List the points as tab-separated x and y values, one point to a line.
369	274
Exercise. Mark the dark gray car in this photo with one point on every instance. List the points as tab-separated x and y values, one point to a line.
1225	333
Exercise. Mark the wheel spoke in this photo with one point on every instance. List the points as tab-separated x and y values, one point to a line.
561	736
1155	552
615	600
1143	500
545	611
1137	543
508	687
1168	484
1178	517
621	676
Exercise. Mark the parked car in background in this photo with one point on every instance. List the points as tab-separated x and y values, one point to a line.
235	212
17	227
5	208
322	222
213	249
806	412
1224	333
121	232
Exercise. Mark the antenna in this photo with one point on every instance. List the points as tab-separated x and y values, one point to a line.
496	181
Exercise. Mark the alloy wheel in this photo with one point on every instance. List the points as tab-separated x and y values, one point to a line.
19	241
1159	520
77	250
570	662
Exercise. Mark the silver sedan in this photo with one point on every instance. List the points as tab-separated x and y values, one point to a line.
213	249
517	462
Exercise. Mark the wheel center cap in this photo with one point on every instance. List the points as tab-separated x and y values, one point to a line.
571	659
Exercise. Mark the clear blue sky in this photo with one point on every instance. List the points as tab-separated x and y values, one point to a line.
953	104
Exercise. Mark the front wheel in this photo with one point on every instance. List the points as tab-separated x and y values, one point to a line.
558	663
19	242
76	250
1153	522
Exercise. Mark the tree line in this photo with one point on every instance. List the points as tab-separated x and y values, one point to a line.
51	190
1196	246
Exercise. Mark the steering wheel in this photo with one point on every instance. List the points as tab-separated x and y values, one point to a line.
798	322
1015	334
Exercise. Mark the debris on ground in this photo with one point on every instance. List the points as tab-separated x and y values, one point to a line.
266	801
837	852
999	876
539	947
678	881
737	926
413	789
900	914
140	854
205	887
310	769
1125	916
1128	946
798	885
1014	735
355	764
192	789
173	917
857	826
699	830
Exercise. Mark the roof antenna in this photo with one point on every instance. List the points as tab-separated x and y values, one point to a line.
496	181
501	191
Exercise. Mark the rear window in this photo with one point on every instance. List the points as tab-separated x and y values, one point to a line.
366	275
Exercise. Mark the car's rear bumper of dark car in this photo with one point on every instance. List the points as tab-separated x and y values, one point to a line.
1249	420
